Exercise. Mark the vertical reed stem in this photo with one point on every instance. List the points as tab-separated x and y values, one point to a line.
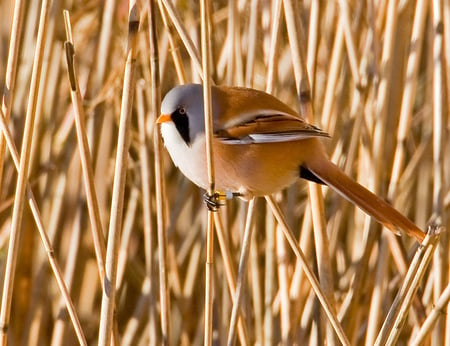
123	143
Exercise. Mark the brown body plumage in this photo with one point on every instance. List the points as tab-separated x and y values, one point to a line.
260	146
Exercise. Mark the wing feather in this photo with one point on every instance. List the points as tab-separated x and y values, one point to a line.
269	129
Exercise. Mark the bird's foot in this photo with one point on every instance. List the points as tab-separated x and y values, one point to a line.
214	201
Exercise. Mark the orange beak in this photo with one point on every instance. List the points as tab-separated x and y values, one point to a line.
163	118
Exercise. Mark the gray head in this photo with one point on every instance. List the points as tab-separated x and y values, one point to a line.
184	104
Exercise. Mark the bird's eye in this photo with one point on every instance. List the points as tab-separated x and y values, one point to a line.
182	110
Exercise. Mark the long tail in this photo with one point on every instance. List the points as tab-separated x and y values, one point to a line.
384	213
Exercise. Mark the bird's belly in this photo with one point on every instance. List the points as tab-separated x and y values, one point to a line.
260	169
251	169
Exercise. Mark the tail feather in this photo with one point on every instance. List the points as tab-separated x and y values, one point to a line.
384	213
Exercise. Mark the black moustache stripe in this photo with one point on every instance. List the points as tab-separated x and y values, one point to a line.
181	122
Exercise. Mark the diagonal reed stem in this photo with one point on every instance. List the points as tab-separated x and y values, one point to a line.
44	237
11	72
245	250
230	273
393	323
328	308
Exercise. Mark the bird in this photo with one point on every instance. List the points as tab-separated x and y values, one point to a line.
260	146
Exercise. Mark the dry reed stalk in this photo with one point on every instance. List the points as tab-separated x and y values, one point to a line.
438	111
333	74
383	90
378	294
19	200
393	323
276	17
176	58
131	329
11	72
350	42
256	290
147	208
176	21
60	325
123	143
208	331
313	44
435	313
85	155
128	226
229	51
206	69
193	269
22	168
50	64
104	47
297	281
310	275
37	307
269	289
251	46
282	270
99	126
412	69
101	143
243	260
297	52
160	214
230	273
159	180
381	108
252	39
440	261
317	205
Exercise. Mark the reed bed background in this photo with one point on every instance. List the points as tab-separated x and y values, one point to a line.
102	238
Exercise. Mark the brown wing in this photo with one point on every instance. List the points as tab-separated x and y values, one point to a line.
265	119
269	128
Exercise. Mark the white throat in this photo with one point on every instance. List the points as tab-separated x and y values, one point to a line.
191	159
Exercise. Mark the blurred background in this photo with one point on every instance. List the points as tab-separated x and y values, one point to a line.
379	74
